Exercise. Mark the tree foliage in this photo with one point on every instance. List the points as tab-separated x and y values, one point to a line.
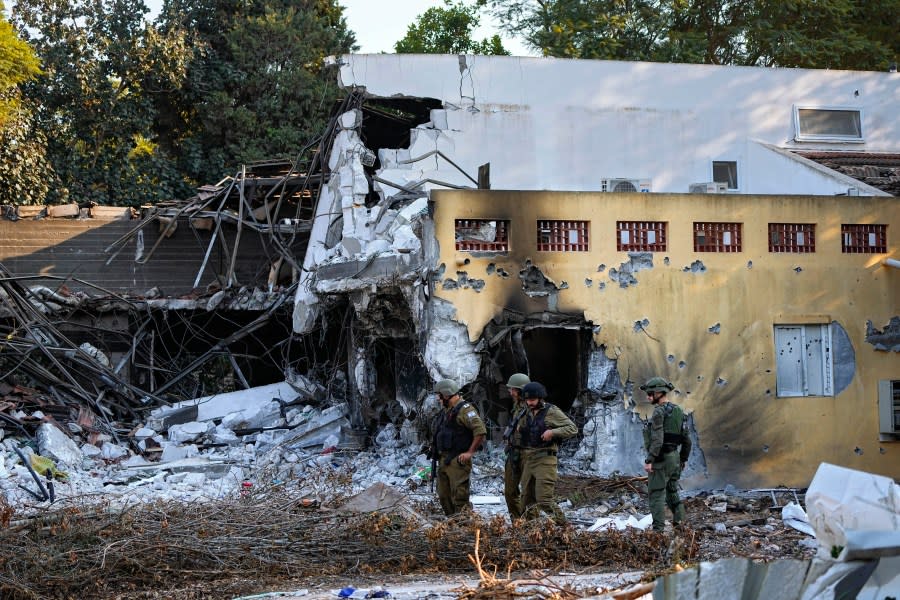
131	112
448	31
102	65
256	86
836	34
18	64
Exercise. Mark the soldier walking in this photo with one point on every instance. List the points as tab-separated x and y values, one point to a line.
458	433
512	468
668	448
541	428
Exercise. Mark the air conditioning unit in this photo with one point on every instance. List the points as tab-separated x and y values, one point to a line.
625	185
708	187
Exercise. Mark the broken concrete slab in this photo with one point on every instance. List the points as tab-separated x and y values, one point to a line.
196	464
324	426
218	406
55	444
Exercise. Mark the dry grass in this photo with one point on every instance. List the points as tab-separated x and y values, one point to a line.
248	544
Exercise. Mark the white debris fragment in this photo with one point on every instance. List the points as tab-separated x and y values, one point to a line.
55	444
794	516
621	523
188	432
841	499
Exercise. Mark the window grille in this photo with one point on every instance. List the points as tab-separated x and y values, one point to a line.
562	236
717	237
641	236
792	237
863	239
482	235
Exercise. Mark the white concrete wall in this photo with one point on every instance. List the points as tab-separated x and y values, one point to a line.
556	124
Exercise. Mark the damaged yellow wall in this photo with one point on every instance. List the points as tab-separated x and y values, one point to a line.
749	436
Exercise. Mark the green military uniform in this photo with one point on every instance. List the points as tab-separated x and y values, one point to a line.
454	430
539	458
512	469
664	434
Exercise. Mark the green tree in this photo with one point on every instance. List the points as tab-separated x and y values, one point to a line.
18	64
837	34
448	31
24	170
257	86
102	63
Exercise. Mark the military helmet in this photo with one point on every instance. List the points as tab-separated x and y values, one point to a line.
446	387
534	390
657	384
518	380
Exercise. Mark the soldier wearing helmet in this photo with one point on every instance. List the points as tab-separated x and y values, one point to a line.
540	430
458	433
668	447
512	468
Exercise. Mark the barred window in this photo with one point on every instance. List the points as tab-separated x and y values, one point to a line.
562	236
863	239
642	236
482	235
717	237
792	237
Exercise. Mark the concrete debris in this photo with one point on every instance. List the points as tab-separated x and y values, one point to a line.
53	443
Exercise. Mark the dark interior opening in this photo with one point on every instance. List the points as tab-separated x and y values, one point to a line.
399	374
555	359
554	356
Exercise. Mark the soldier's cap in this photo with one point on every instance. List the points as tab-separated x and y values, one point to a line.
518	380
534	390
657	384
446	387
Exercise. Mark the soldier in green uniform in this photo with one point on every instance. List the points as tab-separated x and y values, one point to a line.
512	469
668	447
540	429
458	433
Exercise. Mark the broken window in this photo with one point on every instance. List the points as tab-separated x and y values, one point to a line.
863	239
562	236
837	124
641	236
482	235
803	360
717	237
889	408
725	171
792	237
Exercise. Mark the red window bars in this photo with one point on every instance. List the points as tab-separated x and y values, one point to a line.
642	236
863	239
482	235
792	237
717	237
562	236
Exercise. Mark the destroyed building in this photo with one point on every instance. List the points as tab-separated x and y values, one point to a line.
593	223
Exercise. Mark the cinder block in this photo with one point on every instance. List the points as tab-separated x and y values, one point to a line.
62	210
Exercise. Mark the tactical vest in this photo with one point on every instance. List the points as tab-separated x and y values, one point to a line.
673	421
535	428
450	436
